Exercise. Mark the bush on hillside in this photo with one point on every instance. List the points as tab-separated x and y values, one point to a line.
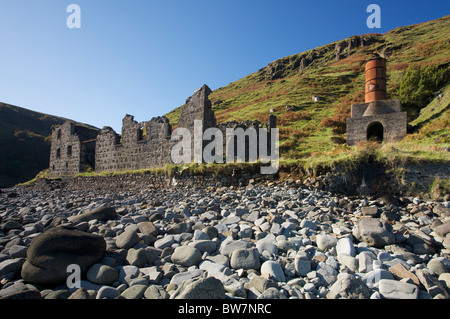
418	85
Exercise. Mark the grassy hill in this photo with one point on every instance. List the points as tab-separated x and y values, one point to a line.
313	134
25	138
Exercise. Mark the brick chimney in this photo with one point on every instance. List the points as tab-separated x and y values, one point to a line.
375	80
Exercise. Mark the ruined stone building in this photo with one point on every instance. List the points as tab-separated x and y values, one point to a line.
377	119
72	150
141	145
76	149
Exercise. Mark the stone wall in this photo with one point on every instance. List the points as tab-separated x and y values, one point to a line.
249	140
149	144
141	145
198	107
72	150
385	112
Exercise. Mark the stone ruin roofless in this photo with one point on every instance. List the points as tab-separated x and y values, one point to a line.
76	149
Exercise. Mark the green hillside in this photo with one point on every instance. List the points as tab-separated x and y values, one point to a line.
314	132
25	138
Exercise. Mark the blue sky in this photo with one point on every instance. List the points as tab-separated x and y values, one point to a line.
145	57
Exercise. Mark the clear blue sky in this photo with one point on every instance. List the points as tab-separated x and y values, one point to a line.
145	57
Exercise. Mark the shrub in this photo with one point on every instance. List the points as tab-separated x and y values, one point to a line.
418	85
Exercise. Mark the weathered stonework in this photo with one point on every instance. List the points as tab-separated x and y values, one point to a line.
72	150
198	107
141	145
249	140
380	120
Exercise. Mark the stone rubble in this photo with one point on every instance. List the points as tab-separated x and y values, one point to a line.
269	240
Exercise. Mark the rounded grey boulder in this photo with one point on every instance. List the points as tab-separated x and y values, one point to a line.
245	258
374	232
186	256
102	274
208	288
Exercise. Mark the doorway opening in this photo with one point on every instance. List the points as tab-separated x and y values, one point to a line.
375	132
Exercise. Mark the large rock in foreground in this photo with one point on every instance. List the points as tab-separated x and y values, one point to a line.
51	252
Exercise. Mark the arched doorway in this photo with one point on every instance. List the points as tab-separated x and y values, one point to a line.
375	132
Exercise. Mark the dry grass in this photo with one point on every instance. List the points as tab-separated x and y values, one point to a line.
291	132
290	117
431	47
398	66
229	94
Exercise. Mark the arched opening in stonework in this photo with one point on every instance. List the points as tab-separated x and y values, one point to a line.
375	132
